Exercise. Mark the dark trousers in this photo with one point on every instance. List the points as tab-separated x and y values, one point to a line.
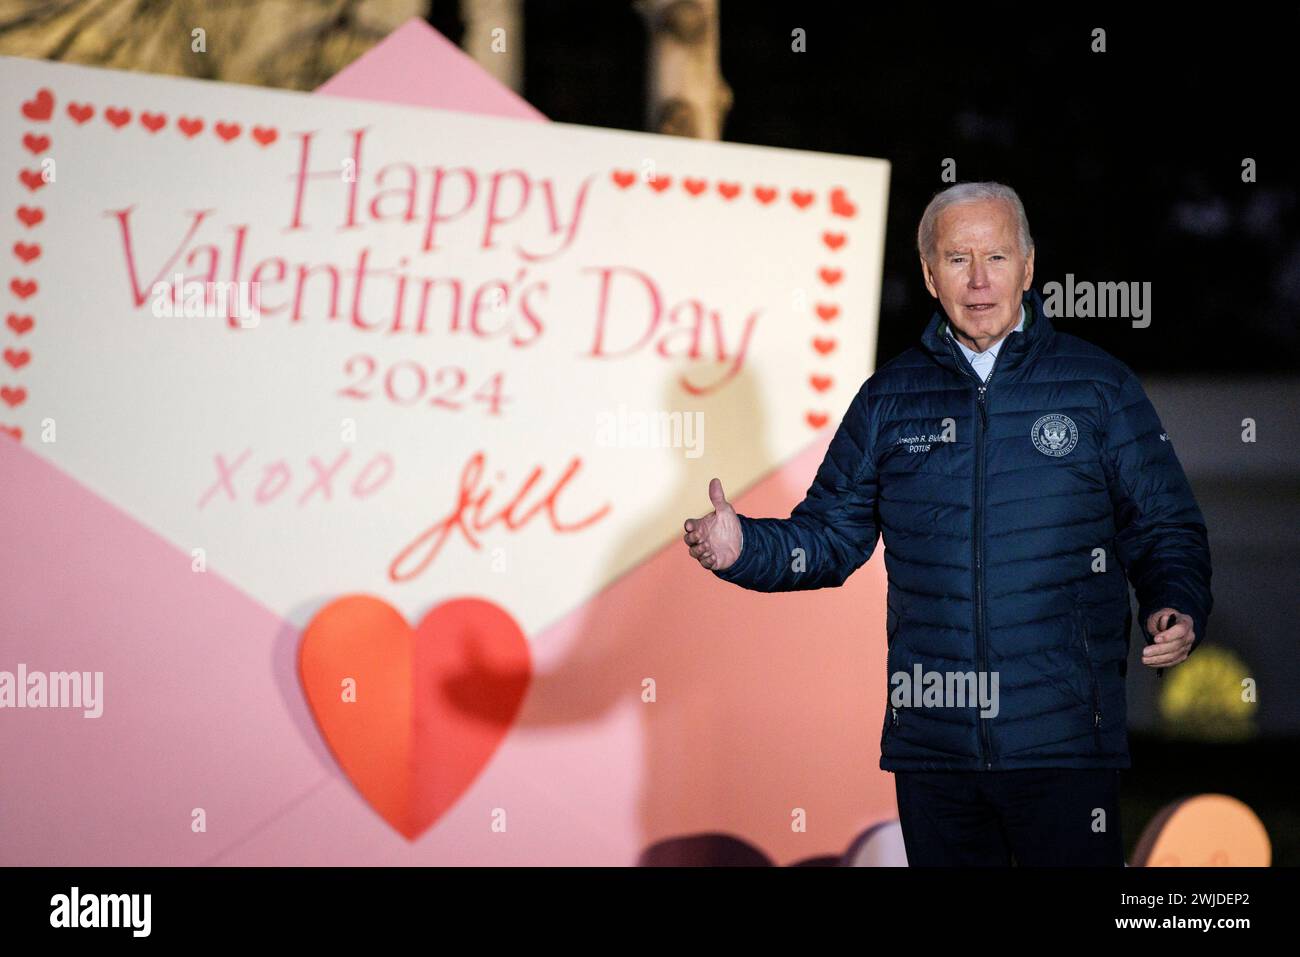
1037	817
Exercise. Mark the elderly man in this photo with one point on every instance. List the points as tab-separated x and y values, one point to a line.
1016	474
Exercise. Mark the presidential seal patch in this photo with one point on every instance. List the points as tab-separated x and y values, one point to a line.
1054	434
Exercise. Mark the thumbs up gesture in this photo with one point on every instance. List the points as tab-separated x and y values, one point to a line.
715	539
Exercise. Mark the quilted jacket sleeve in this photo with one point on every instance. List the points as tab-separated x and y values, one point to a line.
1162	540
828	535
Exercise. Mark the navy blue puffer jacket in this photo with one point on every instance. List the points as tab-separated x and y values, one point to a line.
1011	512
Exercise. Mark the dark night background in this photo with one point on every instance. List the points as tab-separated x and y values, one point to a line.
1129	163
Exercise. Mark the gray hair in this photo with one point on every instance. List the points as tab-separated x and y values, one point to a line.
926	233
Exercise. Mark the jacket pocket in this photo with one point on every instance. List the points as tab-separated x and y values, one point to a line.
1081	639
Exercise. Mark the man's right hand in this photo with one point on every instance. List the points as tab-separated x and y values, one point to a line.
715	539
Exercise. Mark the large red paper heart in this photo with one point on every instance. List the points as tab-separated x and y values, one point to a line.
431	704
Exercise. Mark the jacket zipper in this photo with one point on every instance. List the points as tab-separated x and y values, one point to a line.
1092	677
889	676
977	538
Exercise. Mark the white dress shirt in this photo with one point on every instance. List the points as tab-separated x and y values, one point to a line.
982	362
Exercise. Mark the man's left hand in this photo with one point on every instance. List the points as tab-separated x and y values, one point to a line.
1172	645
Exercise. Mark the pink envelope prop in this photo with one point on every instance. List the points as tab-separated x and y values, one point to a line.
667	703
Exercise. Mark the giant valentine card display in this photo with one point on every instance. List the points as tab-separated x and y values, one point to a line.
345	444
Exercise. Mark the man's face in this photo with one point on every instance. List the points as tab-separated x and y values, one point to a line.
978	273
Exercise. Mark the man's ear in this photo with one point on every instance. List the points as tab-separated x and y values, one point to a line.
1029	269
929	279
